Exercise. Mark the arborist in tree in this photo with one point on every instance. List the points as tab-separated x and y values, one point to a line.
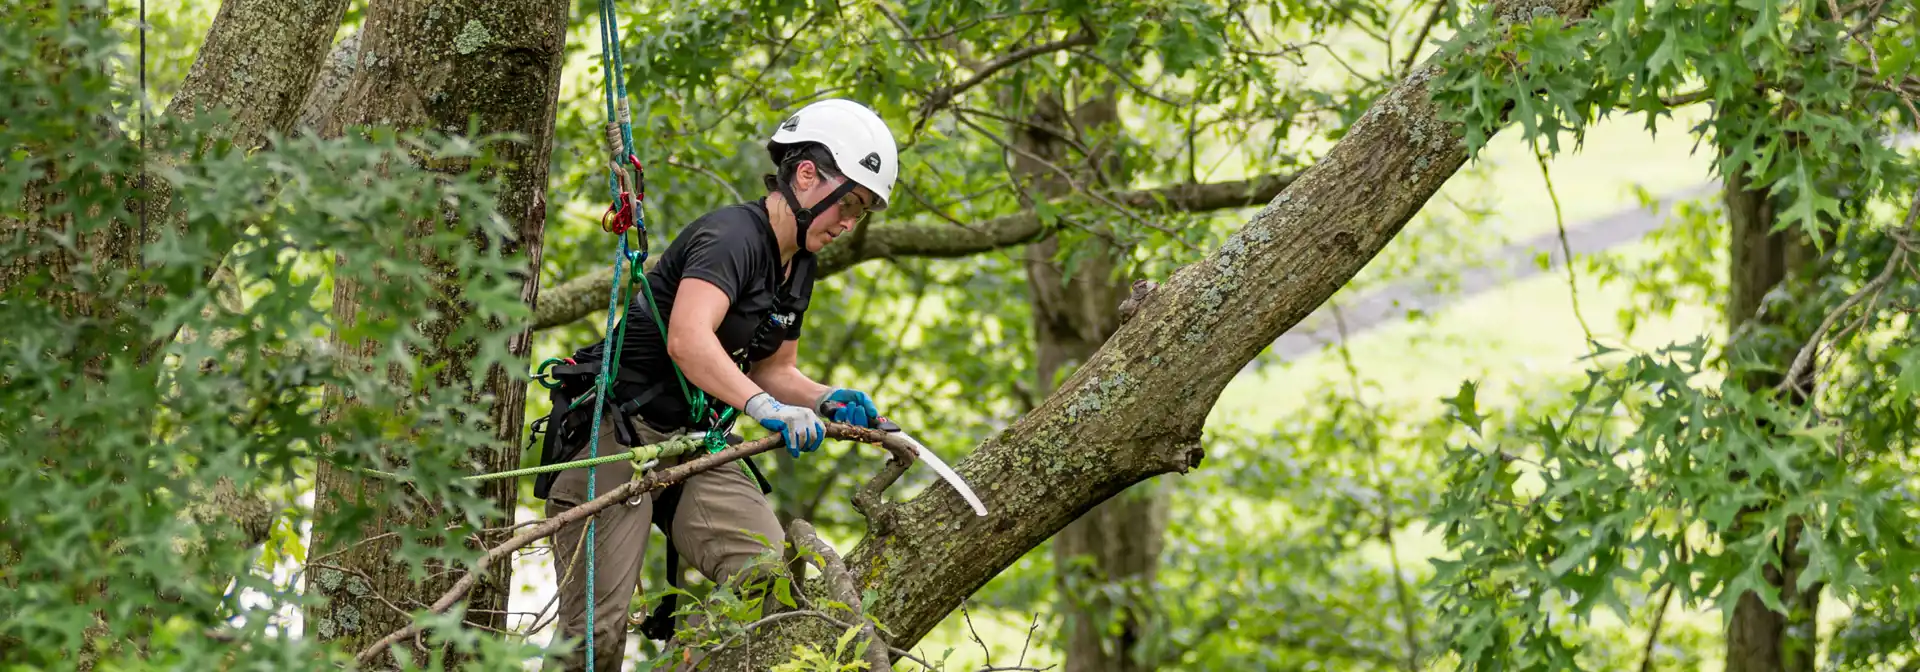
733	289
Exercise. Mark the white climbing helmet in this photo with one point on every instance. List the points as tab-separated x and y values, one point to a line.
859	140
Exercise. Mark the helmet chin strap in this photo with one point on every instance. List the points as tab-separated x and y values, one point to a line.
803	215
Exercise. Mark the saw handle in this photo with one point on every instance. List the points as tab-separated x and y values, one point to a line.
879	423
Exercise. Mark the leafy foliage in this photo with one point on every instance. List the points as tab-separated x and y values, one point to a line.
1674	470
168	369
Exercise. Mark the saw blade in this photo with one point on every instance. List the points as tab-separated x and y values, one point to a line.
946	473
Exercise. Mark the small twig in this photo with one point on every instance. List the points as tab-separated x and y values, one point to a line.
1075	184
1420	38
753	87
1873	14
1653	633
1029	640
987	653
1124	79
363	577
1412	623
709	172
1566	250
1802	360
946	94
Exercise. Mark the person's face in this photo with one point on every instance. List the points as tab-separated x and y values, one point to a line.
838	220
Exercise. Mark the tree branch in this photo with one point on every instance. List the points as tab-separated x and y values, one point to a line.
258	63
1420	38
330	85
653	481
1805	357
946	94
1653	632
580	297
840	587
1092	439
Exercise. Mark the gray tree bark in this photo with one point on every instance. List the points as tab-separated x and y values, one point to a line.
1136	408
431	65
258	63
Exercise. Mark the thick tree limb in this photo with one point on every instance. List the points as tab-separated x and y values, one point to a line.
1095	436
258	62
330	85
582	296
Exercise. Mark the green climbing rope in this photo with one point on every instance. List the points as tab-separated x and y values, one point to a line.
672	447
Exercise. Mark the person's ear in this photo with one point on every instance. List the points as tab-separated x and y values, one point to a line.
805	176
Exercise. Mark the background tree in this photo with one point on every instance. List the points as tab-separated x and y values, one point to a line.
477	69
1761	491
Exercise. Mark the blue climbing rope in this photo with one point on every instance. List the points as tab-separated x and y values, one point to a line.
626	185
611	67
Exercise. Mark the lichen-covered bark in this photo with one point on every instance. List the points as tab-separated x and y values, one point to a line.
1074	313
582	296
258	62
330	84
436	65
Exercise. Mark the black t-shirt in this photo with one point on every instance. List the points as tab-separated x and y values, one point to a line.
734	248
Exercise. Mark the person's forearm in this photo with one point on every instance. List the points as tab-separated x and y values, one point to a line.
788	385
705	364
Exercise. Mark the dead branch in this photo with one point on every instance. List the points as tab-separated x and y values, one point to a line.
841	587
652	482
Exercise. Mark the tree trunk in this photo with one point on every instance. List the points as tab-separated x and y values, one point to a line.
432	65
1136	408
244	31
1758	638
1118	542
257	64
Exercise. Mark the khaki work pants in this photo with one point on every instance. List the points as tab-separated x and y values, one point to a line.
720	512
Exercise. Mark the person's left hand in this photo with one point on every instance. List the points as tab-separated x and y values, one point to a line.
852	407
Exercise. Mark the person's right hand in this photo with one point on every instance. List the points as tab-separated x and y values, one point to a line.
798	425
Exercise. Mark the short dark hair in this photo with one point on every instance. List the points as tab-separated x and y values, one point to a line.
790	159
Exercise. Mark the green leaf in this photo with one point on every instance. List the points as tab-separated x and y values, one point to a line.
840	646
783	591
1465	409
1907	383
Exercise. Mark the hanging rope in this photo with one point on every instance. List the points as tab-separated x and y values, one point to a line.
143	128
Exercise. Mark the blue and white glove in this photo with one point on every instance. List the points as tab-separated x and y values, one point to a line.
799	426
852	407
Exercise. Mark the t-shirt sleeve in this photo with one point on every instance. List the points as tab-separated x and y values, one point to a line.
719	253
